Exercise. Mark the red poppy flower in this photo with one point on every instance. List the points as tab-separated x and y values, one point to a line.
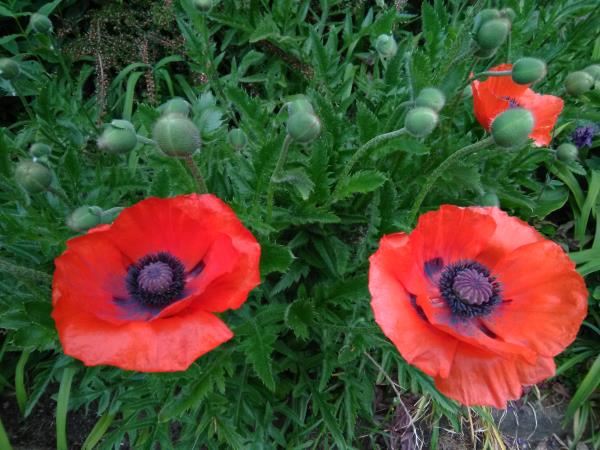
141	293
478	300
497	94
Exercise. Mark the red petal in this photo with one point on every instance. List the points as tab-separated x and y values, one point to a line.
418	342
545	110
545	299
165	345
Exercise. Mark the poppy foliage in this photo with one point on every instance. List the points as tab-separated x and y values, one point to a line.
496	94
478	300
141	294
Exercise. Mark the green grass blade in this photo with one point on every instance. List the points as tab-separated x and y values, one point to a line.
62	407
98	431
129	94
20	391
4	442
585	389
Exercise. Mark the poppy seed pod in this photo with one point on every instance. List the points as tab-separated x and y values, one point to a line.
304	127
484	16
528	70
567	152
9	69
202	5
39	150
299	105
237	139
40	23
489	199
421	121
33	176
84	218
594	71
578	83
512	127
431	98
176	105
386	46
176	134
118	137
493	33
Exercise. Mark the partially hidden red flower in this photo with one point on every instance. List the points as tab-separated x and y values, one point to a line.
478	300
141	294
496	94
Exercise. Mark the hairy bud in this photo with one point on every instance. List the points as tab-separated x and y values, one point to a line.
237	139
484	16
304	127
175	134
567	152
118	137
386	46
493	33
40	23
33	176
431	98
40	150
528	70
421	121
512	127
489	199
9	69
202	5
299	105
594	71
176	105
84	218
578	83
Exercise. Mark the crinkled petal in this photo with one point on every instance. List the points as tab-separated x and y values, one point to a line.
545	110
545	299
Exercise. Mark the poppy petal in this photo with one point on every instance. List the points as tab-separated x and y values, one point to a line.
417	341
545	299
486	105
166	345
545	110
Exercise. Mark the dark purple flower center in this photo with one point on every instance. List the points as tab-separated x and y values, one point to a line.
469	289
583	136
157	279
512	102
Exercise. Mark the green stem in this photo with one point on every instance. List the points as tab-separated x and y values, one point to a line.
277	174
62	407
487	73
198	178
20	390
439	170
4	442
360	153
411	88
24	272
145	140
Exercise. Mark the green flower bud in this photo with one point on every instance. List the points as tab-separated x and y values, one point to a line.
110	215
39	150
484	16
512	127
489	199
176	134
508	13
237	139
493	33
528	70
386	46
567	152
299	105
40	23
421	121
9	69
176	105
578	83
594	71
118	137
202	5
84	218
304	127
33	176
431	98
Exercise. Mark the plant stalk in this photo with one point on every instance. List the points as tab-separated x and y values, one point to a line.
198	178
277	174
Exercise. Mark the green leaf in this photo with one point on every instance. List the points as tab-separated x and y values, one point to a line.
258	347
299	179
298	316
367	123
587	386
362	182
275	258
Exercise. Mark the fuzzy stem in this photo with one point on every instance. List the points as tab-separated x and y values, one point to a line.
439	170
360	153
198	178
487	73
276	174
24	272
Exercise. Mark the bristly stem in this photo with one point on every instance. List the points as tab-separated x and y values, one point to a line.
276	175
439	170
198	178
360	153
500	73
24	272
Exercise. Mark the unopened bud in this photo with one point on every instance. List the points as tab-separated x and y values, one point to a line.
176	134
40	23
512	127
110	215
489	199
202	5
431	98
118	137
39	150
84	218
493	33
567	152
594	71
528	70
508	13
578	83
9	69
237	139
176	105
33	176
421	121
299	105
484	16
304	127
386	46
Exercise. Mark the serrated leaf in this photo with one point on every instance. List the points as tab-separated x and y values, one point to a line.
299	179
362	182
258	347
298	316
367	123
161	185
275	258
